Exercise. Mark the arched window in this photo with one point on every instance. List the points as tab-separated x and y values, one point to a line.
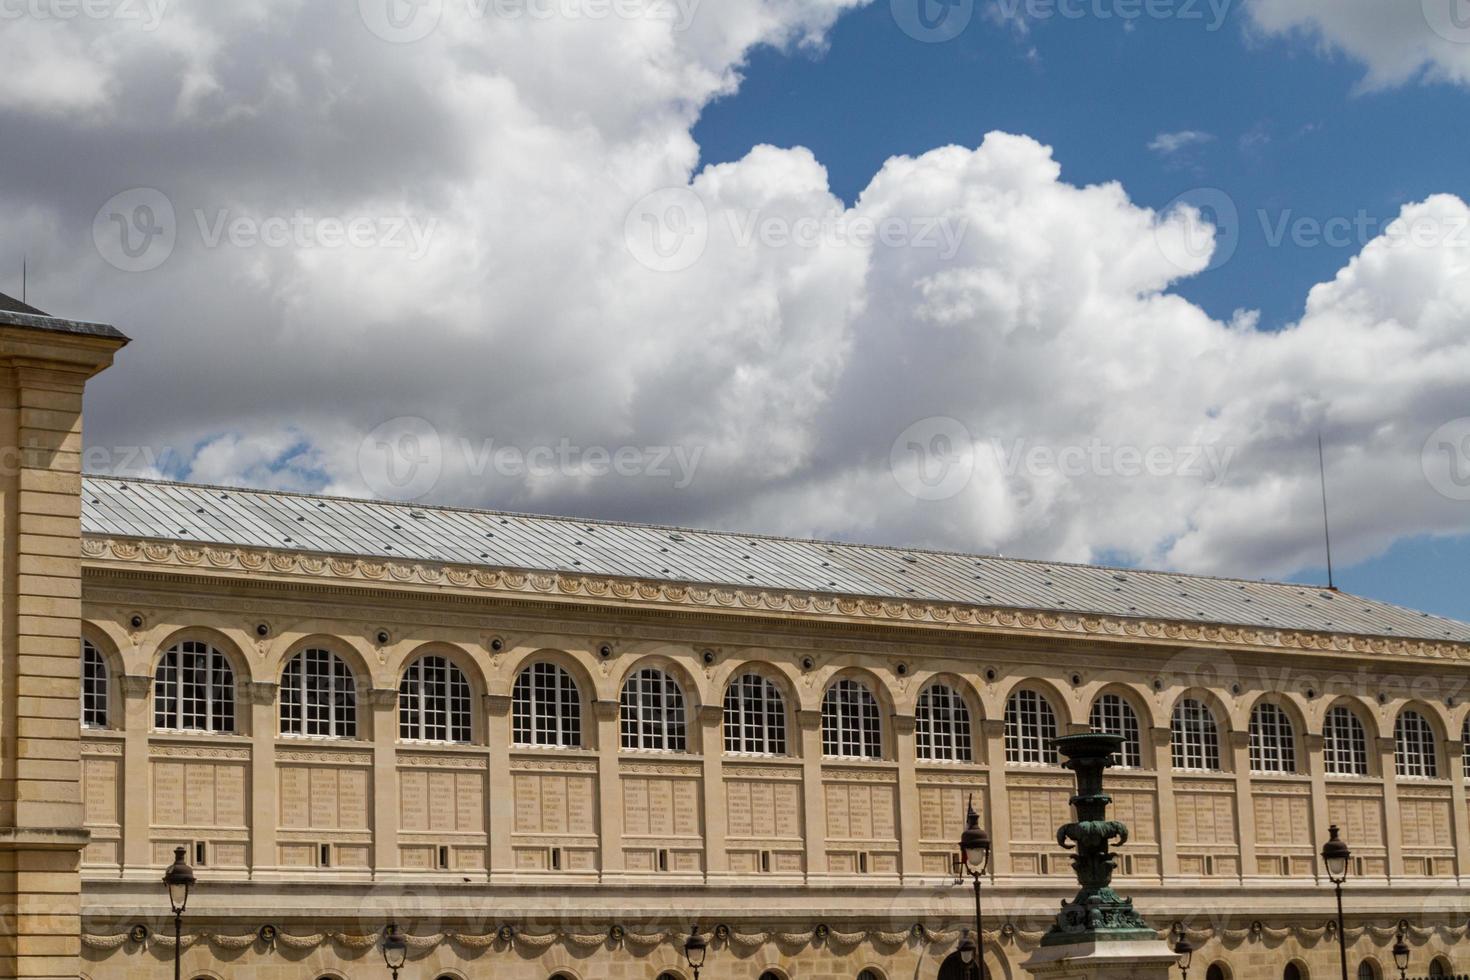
1272	741
1031	728
1216	972
94	687
870	974
546	708
1413	746
1367	970
1344	745
1113	714
194	690
434	702
771	975
1194	739
318	696
755	717
850	725
1439	967
942	725
1293	972
653	712
1465	738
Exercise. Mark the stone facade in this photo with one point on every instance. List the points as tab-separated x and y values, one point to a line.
593	860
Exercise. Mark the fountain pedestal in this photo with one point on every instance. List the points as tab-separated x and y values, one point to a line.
1098	935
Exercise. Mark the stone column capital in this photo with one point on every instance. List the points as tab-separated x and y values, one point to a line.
497	705
260	692
136	685
904	725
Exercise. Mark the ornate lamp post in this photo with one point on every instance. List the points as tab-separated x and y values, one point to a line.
179	878
395	949
1335	855
695	949
1401	952
966	950
975	851
1097	912
1183	949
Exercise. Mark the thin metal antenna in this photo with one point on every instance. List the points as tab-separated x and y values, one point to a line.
1326	525
24	262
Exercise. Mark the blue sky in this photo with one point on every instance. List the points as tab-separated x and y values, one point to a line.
1290	131
596	231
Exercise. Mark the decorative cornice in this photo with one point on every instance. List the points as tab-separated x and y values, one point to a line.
184	557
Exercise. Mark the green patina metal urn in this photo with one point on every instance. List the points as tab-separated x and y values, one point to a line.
1097	913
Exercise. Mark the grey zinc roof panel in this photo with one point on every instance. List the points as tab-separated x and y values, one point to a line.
342	526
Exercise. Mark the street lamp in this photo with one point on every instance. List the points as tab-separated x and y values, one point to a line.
1335	855
967	952
1183	950
975	851
179	878
695	949
1401	953
395	948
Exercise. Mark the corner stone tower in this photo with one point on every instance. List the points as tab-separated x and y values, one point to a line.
45	362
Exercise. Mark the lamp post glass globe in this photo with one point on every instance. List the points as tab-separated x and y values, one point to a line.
1401	953
694	949
967	950
1335	855
975	842
179	878
395	948
1185	952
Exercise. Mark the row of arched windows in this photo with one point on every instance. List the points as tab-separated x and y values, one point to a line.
194	690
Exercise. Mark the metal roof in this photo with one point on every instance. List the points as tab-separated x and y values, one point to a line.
15	313
179	512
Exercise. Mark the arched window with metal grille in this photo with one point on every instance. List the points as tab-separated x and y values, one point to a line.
850	725
1194	739
96	683
318	696
755	717
1272	739
1414	753
652	713
1344	743
1031	729
546	708
1113	714
942	725
194	689
434	702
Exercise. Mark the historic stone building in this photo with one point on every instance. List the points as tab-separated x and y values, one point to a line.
547	748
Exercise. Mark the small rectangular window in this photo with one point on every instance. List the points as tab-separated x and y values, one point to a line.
443	858
862	862
765	862
201	852
556	859
324	855
663	859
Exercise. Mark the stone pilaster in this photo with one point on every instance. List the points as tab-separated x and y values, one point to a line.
1161	745
999	816
44	366
384	706
814	802
1389	771
261	697
716	833
1245	813
501	800
609	787
908	797
137	816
